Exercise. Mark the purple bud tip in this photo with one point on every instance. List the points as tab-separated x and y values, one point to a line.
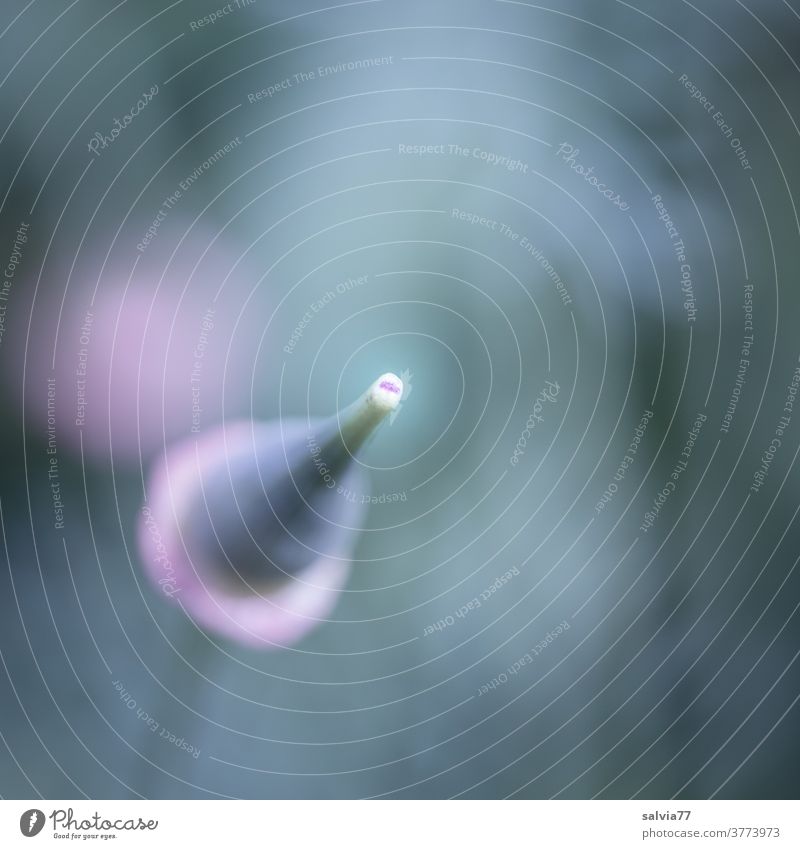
385	393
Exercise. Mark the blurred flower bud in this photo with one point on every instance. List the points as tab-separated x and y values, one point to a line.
249	527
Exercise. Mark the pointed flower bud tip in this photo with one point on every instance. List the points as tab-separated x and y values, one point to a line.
245	525
387	391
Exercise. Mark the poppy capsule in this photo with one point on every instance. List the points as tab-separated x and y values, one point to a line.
248	527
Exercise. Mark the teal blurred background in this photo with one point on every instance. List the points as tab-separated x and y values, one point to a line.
438	159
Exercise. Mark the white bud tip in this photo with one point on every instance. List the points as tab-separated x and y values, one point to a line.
386	392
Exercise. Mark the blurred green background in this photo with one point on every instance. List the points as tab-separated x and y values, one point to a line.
678	673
